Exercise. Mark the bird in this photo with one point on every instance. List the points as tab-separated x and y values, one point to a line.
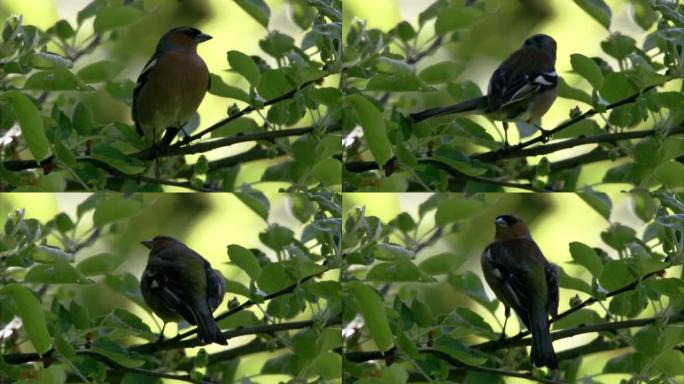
521	277
522	88
170	87
179	284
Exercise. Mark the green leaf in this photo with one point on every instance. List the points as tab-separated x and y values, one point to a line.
373	124
82	119
48	254
470	284
115	352
374	315
220	88
236	288
442	72
457	160
115	208
616	274
116	16
328	365
245	260
32	316
442	263
103	70
456	17
56	80
391	252
567	92
245	66
31	123
112	156
328	171
59	272
617	86
585	256
255	200
258	9
405	82
618	46
401	270
61	345
79	316
579	318
274	277
457	350
598	10
569	282
274	83
100	264
599	201
391	66
47	60
588	69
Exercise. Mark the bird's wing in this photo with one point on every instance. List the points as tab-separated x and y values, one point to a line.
521	76
522	275
216	287
142	79
552	284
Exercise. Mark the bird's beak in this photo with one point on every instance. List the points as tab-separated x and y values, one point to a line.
202	37
147	243
500	223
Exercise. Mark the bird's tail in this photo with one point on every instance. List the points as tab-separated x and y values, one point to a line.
476	105
207	328
542	353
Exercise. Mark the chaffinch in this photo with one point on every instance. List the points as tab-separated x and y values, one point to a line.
522	88
171	86
179	284
522	278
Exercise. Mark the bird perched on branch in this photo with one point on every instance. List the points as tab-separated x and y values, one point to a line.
522	88
179	284
170	87
522	278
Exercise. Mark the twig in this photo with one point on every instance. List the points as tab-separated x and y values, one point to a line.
224	142
500	372
607	138
591	300
176	339
504	153
246	110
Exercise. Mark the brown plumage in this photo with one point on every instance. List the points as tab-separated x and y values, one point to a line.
171	86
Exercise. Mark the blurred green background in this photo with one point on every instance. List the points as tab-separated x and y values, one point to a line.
482	47
555	220
230	26
207	223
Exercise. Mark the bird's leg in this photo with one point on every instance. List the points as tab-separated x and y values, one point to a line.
507	314
186	136
161	334
545	133
505	128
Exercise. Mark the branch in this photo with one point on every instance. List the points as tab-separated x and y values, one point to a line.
504	153
248	109
223	142
427	51
500	372
176	339
496	344
583	140
258	329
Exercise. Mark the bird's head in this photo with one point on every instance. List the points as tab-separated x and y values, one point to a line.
182	38
511	227
159	242
544	43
